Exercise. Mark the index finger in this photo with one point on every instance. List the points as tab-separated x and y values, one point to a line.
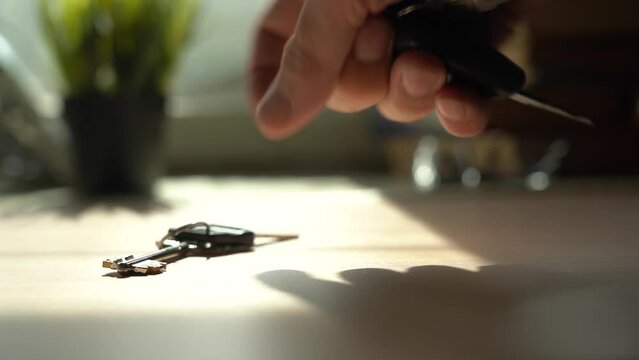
273	32
311	62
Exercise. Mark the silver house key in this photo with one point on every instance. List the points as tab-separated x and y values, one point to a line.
148	264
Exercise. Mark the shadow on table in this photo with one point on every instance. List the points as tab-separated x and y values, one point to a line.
576	297
579	222
500	312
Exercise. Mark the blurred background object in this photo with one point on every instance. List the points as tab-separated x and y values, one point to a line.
578	53
26	139
115	47
581	55
116	58
585	55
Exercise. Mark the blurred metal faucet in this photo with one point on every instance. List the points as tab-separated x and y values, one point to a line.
494	156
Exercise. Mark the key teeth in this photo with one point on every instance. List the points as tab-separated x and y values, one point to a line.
151	270
149	267
113	263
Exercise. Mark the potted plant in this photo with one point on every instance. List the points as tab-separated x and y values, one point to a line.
116	59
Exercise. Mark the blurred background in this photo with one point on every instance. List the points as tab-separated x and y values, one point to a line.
580	54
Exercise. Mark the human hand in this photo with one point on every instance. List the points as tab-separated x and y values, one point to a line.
311	54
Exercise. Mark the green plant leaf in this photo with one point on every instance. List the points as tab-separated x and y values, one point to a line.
117	47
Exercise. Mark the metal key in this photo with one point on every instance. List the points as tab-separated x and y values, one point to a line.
150	263
197	239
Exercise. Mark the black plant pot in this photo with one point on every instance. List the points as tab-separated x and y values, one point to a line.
117	143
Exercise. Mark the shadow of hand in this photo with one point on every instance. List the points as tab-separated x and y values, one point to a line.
498	312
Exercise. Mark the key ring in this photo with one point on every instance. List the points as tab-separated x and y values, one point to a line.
172	233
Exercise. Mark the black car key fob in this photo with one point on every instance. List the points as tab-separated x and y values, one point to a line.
460	38
218	235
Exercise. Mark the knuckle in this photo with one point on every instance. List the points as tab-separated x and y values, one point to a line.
356	11
377	6
300	61
405	111
393	114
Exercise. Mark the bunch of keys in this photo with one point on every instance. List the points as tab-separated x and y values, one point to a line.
197	239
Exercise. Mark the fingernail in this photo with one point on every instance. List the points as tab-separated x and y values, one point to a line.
419	83
275	110
372	44
452	110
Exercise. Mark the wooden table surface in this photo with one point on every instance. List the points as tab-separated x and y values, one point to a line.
379	272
